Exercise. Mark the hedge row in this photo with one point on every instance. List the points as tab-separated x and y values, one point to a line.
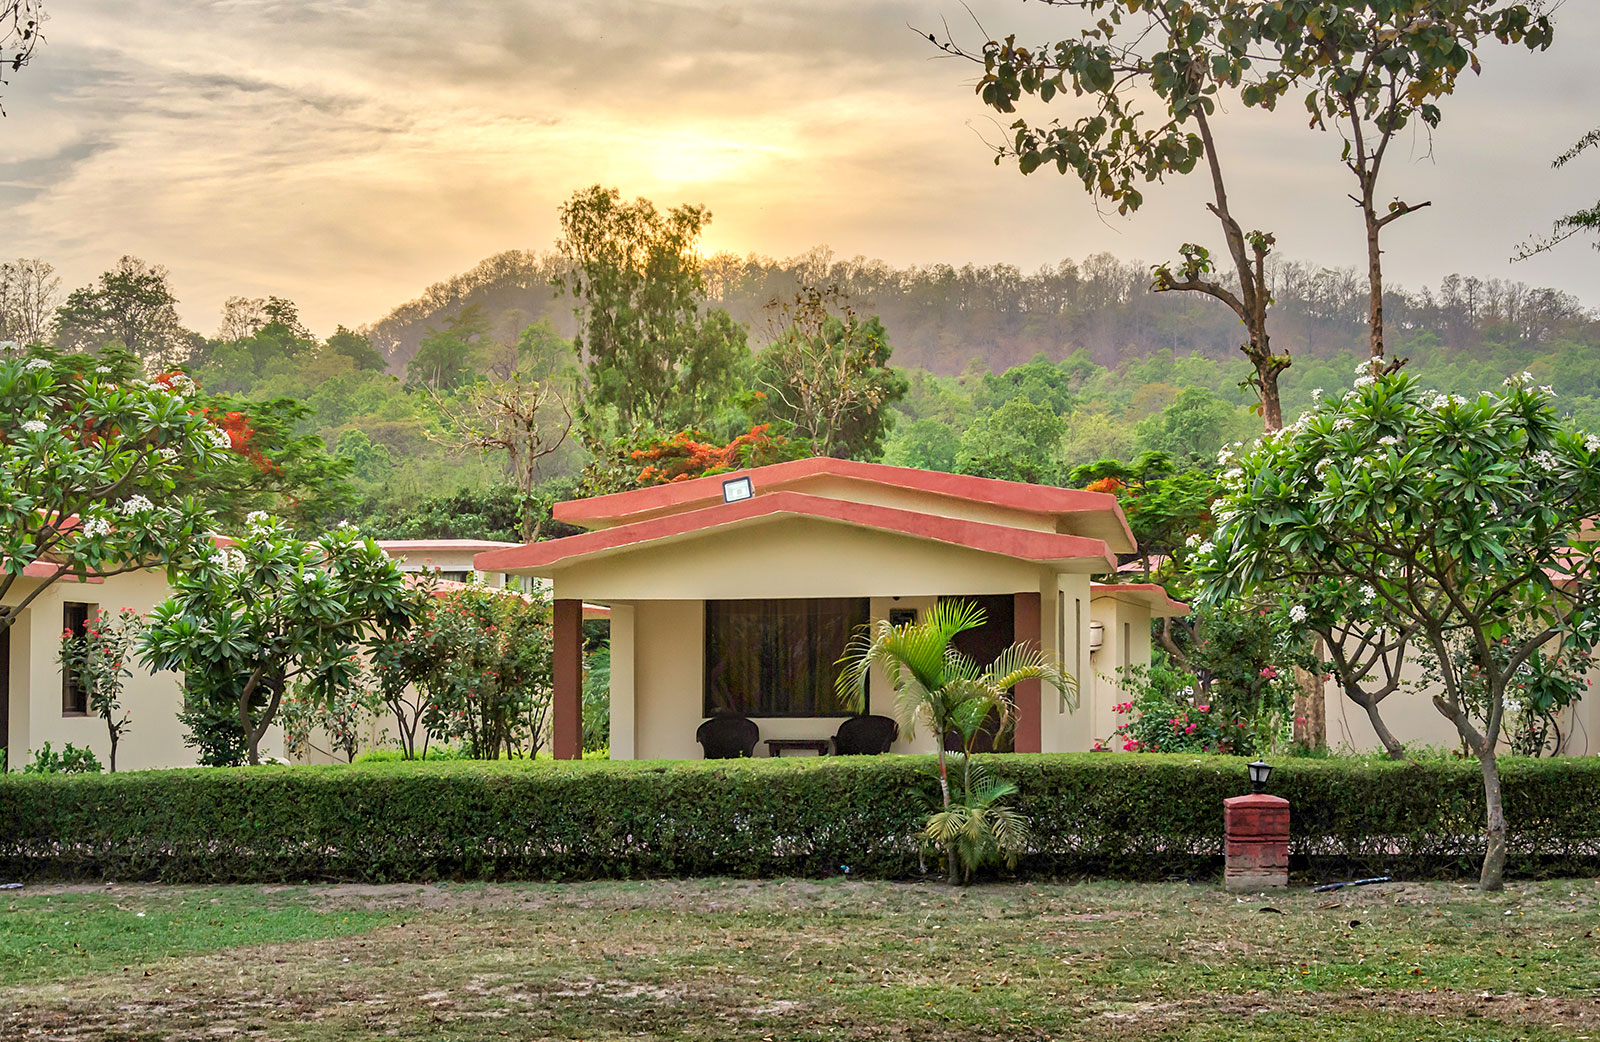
1130	816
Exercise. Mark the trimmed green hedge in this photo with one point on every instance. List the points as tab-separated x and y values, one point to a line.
1131	816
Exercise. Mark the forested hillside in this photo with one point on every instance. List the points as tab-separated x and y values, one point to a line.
942	318
981	370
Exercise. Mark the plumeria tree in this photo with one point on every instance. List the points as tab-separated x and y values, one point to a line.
269	610
98	470
1433	520
99	658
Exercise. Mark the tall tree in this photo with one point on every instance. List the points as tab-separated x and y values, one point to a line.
446	358
826	375
130	305
29	293
656	356
1191	55
1372	68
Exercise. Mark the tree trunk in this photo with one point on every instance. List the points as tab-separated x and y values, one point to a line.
1374	282
952	867
1493	876
1271	402
1392	745
1310	708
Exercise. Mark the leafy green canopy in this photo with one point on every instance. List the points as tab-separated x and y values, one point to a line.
1454	519
101	471
249	619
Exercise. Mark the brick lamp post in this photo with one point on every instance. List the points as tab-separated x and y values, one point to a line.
1256	829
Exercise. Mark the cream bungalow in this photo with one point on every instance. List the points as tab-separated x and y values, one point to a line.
737	593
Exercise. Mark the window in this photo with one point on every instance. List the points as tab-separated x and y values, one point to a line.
74	699
777	658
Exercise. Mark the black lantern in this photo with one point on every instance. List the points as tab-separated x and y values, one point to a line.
1260	771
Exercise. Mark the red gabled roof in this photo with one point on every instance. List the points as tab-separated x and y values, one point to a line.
1020	543
1152	595
620	507
49	570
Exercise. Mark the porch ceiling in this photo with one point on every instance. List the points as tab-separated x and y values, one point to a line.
1068	552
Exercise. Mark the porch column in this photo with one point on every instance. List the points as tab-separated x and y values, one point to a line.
1025	630
566	725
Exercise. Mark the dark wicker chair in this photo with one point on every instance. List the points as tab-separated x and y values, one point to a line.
728	736
865	735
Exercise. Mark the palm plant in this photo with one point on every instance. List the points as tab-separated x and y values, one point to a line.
938	686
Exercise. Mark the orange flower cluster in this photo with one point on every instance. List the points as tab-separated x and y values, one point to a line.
1112	485
681	457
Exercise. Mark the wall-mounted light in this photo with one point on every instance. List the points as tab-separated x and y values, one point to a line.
737	489
1097	635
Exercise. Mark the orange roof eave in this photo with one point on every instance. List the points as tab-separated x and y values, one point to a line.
1047	500
1152	595
1019	543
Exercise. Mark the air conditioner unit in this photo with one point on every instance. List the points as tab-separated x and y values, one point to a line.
1097	635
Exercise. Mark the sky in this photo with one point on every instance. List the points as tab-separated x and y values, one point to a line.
347	153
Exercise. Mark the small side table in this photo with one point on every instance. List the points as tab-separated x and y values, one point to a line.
777	746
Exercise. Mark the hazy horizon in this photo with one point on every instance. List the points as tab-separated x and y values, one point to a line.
348	153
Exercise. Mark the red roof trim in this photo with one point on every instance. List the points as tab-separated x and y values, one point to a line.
49	570
1016	495
1154	594
1020	543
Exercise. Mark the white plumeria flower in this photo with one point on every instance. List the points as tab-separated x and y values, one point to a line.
1388	439
1205	549
1368	594
167	454
1545	460
35	426
35	365
219	437
1193	541
102	369
1316	394
1364	381
1298	613
1364	366
1343	423
310	575
1591	444
137	505
96	526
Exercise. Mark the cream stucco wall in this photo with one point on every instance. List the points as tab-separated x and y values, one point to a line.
1125	641
154	737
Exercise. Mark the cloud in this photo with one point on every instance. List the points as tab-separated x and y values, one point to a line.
347	152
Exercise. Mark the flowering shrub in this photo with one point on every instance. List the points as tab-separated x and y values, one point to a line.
99	660
475	668
339	718
252	618
1433	516
70	760
1167	718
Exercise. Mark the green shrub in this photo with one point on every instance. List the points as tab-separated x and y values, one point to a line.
1137	817
70	760
435	752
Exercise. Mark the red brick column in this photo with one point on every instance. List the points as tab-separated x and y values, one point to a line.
1025	630
566	709
1257	832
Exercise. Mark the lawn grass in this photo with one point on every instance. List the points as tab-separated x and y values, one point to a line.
801	960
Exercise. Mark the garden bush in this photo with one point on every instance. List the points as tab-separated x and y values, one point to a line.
1149	816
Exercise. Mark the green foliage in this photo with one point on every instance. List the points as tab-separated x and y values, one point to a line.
1450	518
826	377
975	823
654	355
1194	427
481	660
210	719
340	719
269	610
449	357
597	699
100	471
937	686
100	660
1017	442
131	307
70	760
1135	817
